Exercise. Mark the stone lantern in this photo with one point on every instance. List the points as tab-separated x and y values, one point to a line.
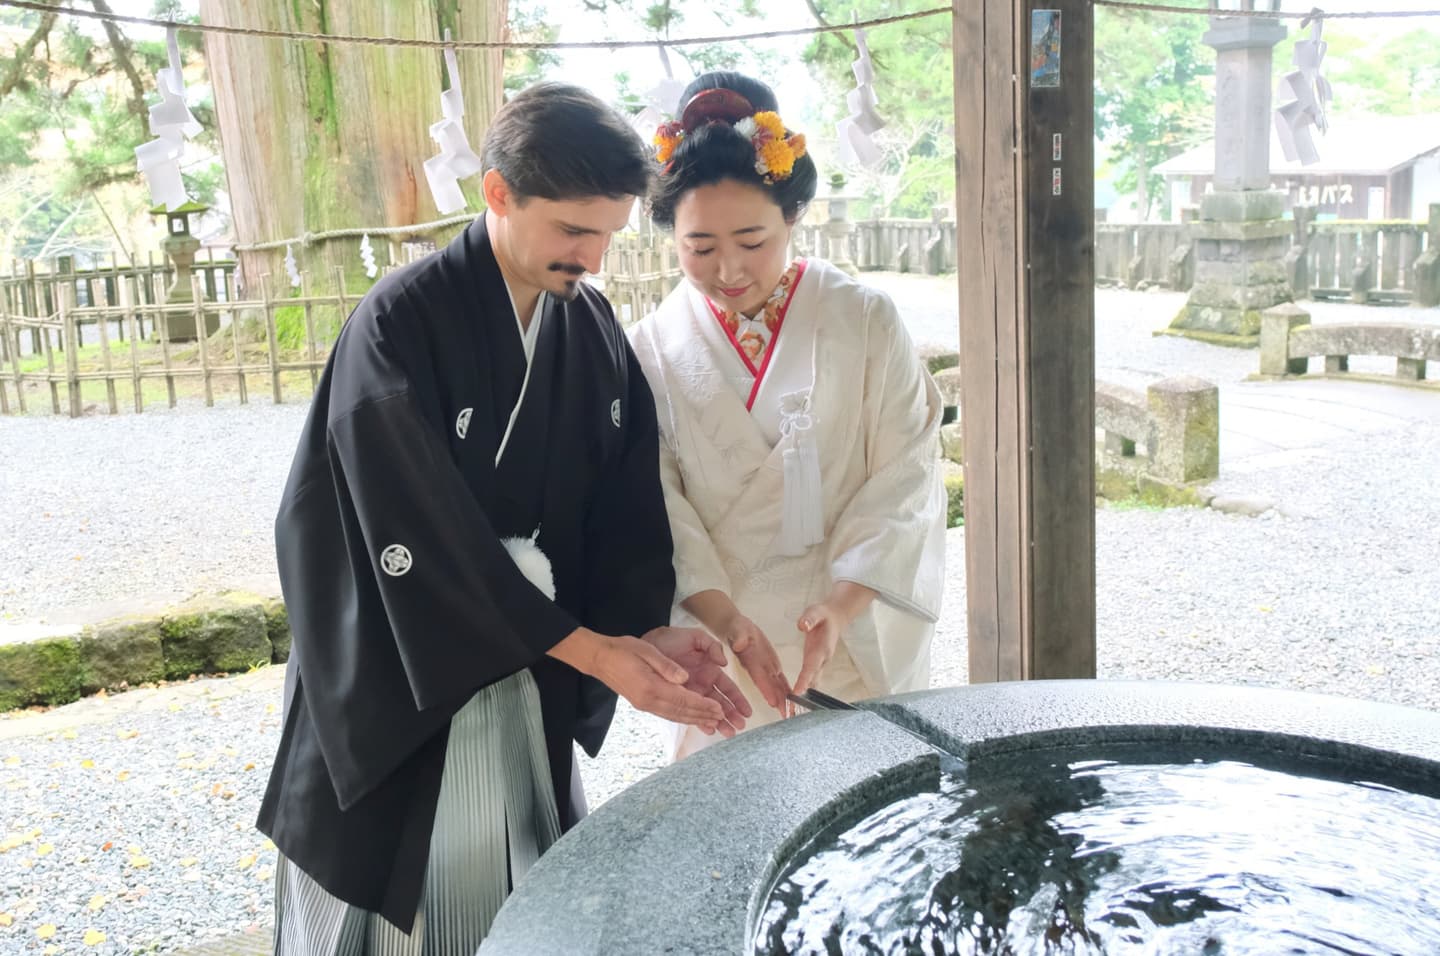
837	227
180	245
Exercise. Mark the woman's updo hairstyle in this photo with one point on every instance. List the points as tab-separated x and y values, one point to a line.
715	151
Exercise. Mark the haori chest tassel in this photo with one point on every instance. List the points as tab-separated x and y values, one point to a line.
803	516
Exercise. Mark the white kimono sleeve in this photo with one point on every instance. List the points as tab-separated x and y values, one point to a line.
890	537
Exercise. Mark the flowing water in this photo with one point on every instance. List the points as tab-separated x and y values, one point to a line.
1070	852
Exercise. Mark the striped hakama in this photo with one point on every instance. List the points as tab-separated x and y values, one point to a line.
496	815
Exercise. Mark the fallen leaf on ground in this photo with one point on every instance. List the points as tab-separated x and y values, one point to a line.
12	761
122	776
189	861
265	872
93	937
69	733
248	767
246	861
106	848
46	932
87	764
6	919
127	734
45	849
139	862
268	845
96	902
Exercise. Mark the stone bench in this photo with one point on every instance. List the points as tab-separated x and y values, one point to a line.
1288	340
1169	435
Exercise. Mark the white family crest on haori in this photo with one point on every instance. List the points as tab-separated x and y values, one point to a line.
395	560
456	160
532	563
462	422
615	413
171	122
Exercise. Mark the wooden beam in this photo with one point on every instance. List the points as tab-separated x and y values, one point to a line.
1025	249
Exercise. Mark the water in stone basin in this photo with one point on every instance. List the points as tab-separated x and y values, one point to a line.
1124	851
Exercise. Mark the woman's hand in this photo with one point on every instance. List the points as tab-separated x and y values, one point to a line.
757	655
824	623
751	647
704	663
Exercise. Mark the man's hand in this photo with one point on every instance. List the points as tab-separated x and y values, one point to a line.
704	661
757	655
643	675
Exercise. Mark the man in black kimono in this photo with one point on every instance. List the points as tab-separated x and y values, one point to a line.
472	530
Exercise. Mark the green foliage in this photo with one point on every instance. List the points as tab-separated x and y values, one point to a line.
1398	75
291	331
75	105
915	92
1153	96
955	493
525	67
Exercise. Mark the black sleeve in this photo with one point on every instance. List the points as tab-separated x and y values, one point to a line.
630	580
404	602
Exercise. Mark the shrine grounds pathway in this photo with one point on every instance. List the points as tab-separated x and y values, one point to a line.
127	821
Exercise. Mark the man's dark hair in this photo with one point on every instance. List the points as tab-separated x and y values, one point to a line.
557	141
715	152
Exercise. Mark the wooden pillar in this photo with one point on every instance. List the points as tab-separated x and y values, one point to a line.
1025	246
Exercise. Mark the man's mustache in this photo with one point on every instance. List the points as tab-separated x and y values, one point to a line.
569	268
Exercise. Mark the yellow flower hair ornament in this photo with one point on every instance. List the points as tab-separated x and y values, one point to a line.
776	150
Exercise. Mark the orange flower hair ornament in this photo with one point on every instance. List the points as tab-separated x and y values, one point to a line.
776	150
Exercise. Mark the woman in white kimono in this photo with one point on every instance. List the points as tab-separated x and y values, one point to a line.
799	449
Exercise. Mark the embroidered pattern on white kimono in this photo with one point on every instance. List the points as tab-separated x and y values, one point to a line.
874	416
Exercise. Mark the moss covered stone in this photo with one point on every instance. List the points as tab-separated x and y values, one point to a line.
1114	484
1164	494
277	629
39	672
119	653
226	635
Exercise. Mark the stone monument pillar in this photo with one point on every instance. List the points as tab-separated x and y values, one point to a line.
1240	240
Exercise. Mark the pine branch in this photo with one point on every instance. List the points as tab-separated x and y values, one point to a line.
121	48
844	38
24	53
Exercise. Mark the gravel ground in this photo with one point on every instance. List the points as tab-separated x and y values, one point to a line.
1334	592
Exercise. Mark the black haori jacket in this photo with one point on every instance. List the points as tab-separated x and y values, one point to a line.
402	600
